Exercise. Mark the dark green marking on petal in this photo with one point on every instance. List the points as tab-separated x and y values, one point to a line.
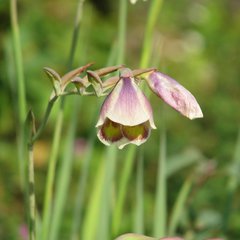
111	131
138	132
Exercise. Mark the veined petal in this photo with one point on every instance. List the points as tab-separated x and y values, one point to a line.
137	134
119	135
126	105
110	132
174	94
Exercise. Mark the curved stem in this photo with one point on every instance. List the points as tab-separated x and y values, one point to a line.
46	116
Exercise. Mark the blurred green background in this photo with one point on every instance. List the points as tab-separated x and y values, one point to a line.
195	42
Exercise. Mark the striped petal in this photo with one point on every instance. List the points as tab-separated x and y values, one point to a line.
126	104
174	94
120	135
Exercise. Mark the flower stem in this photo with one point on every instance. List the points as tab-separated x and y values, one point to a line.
31	193
160	213
126	172
148	36
78	19
21	90
50	176
45	118
139	215
122	22
64	172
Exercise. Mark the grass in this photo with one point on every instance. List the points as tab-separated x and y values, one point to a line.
102	195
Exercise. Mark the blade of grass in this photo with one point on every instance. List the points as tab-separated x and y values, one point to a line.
232	186
56	215
32	207
90	224
160	213
64	174
122	22
123	181
104	219
21	95
82	184
78	19
179	205
139	215
148	35
47	209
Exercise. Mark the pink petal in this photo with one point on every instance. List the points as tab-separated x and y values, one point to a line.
126	105
174	94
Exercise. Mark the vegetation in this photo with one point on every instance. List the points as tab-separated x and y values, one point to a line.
59	181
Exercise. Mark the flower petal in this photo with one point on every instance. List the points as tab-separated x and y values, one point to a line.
110	132
137	134
126	104
174	94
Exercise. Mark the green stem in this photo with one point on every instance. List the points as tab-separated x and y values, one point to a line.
31	191
122	22
65	171
64	175
21	89
126	172
78	19
148	35
50	176
45	118
160	214
139	217
179	205
104	216
81	191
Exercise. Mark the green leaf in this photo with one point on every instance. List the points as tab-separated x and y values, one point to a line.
55	80
30	125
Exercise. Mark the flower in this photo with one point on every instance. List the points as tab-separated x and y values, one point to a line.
174	95
126	114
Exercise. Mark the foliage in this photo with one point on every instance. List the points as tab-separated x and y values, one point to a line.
196	42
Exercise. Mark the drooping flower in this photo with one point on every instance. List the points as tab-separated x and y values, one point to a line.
126	114
174	95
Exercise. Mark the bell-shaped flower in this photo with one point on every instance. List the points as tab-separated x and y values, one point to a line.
174	94
126	114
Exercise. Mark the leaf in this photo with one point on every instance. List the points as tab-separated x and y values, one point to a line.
55	80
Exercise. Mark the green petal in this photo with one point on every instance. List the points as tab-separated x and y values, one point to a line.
110	132
137	134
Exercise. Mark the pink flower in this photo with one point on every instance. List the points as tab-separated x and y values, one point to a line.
126	114
174	94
